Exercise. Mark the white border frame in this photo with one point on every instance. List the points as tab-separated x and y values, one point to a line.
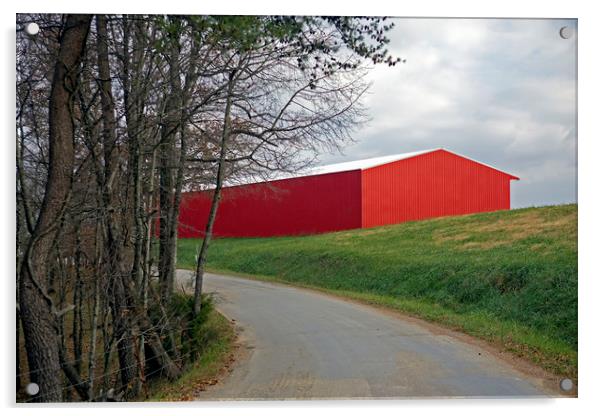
589	197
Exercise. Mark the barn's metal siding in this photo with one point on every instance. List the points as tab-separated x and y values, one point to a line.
431	185
305	205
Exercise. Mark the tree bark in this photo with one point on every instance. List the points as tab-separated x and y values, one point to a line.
18	350
39	318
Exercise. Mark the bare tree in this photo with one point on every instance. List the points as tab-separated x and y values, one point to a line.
278	113
142	108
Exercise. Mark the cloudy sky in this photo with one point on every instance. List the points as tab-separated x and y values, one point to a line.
499	91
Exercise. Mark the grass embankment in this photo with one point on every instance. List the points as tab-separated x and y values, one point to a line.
507	277
217	355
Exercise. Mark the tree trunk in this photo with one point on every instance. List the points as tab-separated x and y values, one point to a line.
78	293
133	98
95	312
133	101
168	366
73	376
217	193
148	238
167	162
122	324
37	310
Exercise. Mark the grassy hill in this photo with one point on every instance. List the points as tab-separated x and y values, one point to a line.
507	277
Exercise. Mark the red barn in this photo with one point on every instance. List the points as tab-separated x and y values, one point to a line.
360	194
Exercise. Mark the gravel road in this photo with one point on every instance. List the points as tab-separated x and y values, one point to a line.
300	344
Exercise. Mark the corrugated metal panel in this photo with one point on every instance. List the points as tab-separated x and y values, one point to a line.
425	185
431	185
308	205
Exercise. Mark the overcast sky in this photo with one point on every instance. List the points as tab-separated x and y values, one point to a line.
502	91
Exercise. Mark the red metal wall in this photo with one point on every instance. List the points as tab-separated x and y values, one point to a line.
306	205
434	184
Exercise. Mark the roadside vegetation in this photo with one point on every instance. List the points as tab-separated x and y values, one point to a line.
214	343
508	277
205	343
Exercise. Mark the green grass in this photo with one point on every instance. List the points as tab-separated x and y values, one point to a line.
205	370
508	277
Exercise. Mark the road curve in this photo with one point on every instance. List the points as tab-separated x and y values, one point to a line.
303	344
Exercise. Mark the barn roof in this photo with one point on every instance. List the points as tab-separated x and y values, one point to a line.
363	163
378	161
349	166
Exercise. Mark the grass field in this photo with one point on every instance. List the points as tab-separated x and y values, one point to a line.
507	277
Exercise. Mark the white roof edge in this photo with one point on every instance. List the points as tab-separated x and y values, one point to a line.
381	160
364	163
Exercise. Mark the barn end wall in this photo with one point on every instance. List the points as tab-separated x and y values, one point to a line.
431	185
297	206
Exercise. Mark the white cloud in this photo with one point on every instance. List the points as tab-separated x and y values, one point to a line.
501	91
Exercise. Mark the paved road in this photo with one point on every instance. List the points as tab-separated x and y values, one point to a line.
304	344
